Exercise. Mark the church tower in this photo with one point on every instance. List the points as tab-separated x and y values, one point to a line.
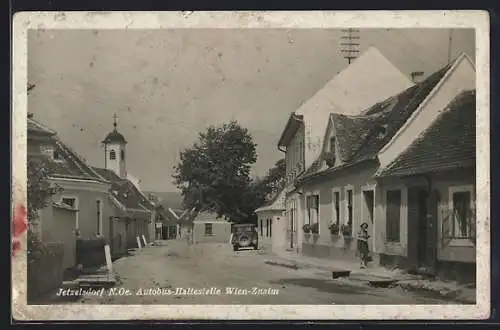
114	152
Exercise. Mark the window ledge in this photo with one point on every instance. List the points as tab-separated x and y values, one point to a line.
465	242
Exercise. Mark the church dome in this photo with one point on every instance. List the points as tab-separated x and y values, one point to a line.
114	137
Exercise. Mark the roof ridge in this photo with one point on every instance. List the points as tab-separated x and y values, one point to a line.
79	160
446	111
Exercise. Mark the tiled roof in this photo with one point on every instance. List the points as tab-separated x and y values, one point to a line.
128	195
449	143
63	162
107	174
360	138
125	191
34	127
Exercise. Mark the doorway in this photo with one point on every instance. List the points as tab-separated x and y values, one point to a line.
422	228
427	212
368	210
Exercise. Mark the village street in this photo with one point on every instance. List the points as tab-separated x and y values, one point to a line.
215	266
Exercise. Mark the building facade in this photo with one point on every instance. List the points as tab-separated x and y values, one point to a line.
347	93
432	183
340	190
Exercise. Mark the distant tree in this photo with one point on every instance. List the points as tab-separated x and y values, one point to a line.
214	173
275	178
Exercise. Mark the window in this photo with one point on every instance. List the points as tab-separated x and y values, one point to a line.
122	155
267	227
112	155
312	208
462	212
349	207
270	227
208	229
332	144
57	155
393	215
261	229
336	207
99	217
70	201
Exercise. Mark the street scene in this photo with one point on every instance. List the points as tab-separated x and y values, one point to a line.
252	166
242	278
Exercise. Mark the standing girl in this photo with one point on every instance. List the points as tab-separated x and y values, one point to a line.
363	244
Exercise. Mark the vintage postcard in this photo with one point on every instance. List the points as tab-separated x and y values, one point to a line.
251	165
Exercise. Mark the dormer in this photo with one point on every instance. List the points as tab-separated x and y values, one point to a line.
330	146
52	152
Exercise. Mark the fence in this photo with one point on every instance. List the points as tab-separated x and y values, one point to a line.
90	252
458	225
45	269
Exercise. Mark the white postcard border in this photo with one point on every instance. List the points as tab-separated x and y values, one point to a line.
479	20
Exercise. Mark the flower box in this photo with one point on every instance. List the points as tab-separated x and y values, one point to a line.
334	229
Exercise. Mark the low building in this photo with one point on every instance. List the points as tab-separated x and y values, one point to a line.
430	190
82	198
271	223
208	227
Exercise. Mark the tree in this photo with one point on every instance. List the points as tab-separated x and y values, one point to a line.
214	173
275	178
39	189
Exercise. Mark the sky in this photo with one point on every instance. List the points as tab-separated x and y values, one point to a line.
167	85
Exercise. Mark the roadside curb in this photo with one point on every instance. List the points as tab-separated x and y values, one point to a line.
282	264
455	295
404	282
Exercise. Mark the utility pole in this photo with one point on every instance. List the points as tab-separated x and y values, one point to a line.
350	44
450	37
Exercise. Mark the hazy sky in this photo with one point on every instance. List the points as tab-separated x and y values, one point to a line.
167	85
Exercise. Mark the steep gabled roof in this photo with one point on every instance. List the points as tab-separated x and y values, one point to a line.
370	77
125	191
360	138
35	127
127	194
64	162
449	143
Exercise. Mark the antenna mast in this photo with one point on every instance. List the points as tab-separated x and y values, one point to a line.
350	44
450	37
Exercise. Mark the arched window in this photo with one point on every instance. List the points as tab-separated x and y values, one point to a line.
112	155
122	154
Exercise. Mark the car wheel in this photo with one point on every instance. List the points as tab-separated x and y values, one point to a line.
256	247
235	247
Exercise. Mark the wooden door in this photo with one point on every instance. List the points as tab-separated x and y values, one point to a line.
432	232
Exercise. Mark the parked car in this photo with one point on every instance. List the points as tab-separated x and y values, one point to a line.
244	236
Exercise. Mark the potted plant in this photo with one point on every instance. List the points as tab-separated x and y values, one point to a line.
334	228
306	228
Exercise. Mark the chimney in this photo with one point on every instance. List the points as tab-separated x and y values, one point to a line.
416	76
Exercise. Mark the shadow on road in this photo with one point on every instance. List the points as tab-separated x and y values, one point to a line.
324	285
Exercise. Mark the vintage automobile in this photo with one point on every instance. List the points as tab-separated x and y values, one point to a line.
244	236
